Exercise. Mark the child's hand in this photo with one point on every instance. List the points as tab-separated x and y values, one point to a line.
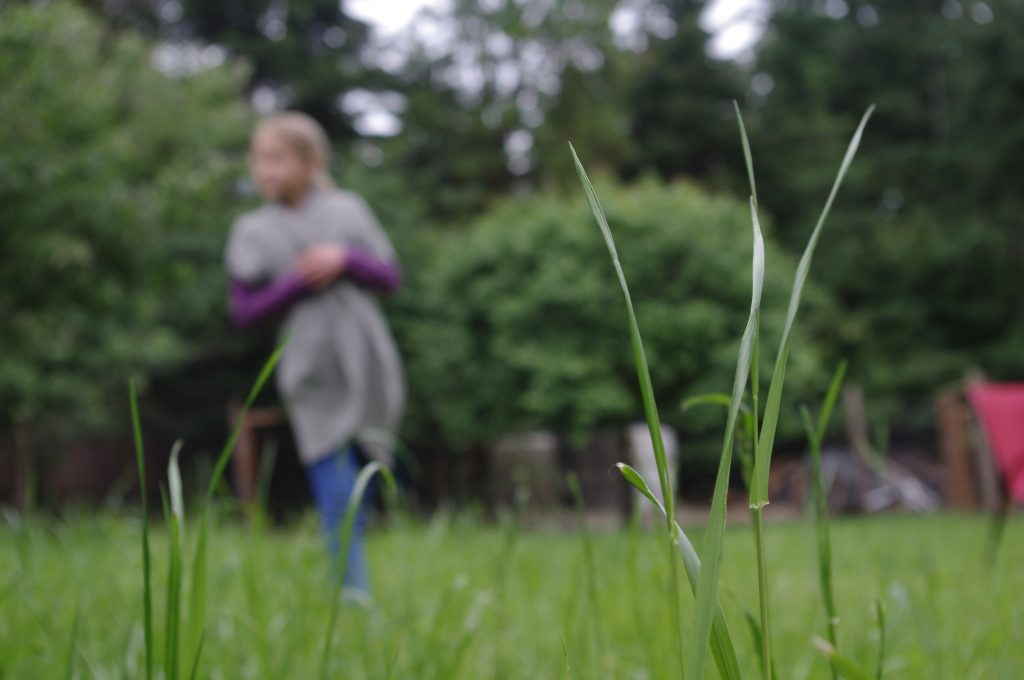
320	265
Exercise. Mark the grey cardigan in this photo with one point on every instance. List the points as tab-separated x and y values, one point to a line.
340	375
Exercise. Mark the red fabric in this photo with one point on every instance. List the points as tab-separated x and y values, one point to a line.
1000	407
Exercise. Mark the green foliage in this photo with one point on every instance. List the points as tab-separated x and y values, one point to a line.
517	329
116	182
534	73
680	101
815	435
926	252
301	54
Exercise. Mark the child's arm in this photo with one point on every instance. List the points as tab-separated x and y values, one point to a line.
251	305
366	270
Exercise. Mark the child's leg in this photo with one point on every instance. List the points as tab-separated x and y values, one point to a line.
332	480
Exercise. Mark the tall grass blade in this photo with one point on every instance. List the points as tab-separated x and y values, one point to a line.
354	502
639	356
764	627
591	564
171	631
755	633
747	158
268	458
391	665
640	484
714	399
766	439
197	595
646	388
174	510
194	673
69	666
830	401
707	587
174	486
880	619
565	653
757	515
175	513
815	436
254	392
722	648
147	597
846	668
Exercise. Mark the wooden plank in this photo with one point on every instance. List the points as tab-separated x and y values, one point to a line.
954	425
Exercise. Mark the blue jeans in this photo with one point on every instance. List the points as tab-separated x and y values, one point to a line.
332	480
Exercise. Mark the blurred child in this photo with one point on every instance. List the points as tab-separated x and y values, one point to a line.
314	257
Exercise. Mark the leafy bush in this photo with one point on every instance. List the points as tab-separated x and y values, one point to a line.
520	322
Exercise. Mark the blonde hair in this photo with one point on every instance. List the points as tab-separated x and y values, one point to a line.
305	136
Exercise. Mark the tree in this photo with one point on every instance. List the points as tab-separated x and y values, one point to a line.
681	111
302	54
926	240
490	110
116	186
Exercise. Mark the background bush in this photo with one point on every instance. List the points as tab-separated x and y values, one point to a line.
117	183
522	322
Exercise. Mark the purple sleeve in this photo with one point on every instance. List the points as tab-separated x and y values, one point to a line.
253	304
366	270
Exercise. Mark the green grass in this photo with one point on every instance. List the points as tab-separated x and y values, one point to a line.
460	599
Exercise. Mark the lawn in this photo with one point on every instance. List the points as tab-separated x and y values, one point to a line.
460	598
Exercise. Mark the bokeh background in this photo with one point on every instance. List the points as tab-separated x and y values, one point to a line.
123	131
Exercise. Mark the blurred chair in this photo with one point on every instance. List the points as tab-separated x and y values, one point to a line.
245	461
981	435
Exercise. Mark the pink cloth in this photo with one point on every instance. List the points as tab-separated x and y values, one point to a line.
1000	408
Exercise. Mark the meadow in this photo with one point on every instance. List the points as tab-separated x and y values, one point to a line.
456	597
898	596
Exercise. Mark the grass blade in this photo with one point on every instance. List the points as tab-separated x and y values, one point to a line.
644	378
354	502
638	483
747	158
766	440
591	564
171	631
763	628
147	598
880	619
197	595
639	355
846	668
830	400
69	668
254	391
195	661
174	512
707	587
714	399
174	486
565	653
815	436
722	648
755	633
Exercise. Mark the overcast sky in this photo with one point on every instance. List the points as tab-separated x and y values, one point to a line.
735	24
